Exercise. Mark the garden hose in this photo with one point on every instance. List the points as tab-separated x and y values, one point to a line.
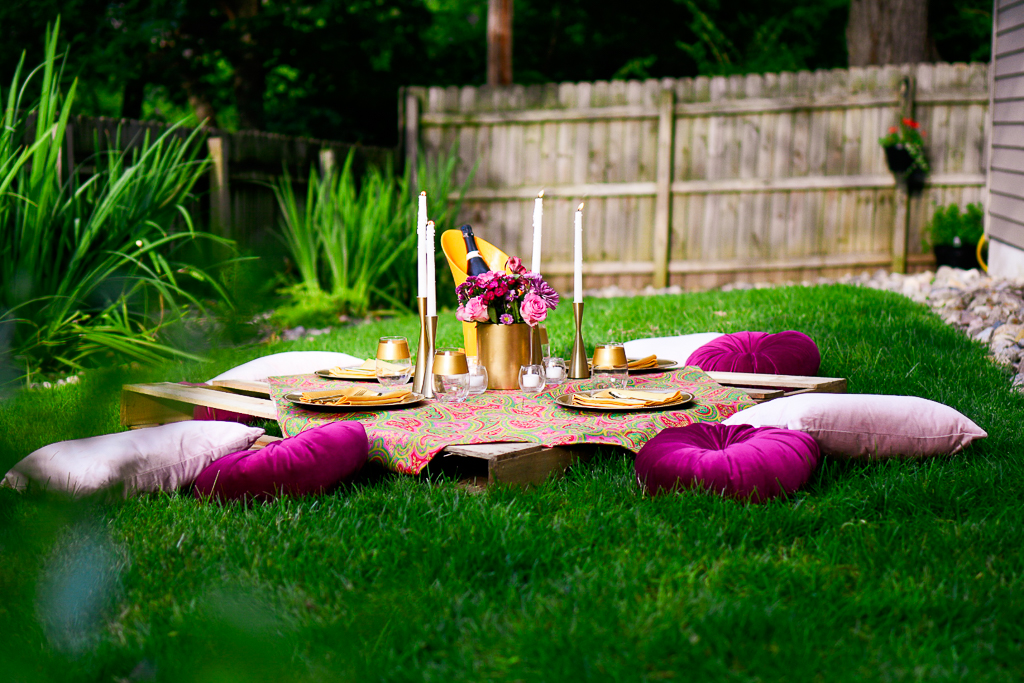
981	243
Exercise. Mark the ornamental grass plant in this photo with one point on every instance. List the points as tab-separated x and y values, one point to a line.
352	238
87	276
900	571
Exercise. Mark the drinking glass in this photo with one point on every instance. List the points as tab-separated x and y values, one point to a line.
531	379
554	371
393	365
454	388
450	375
611	369
477	376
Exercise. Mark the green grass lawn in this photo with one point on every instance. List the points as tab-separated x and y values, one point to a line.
884	571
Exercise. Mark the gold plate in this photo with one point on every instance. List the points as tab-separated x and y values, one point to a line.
662	365
295	397
326	374
565	400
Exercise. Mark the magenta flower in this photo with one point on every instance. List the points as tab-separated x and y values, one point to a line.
515	264
506	319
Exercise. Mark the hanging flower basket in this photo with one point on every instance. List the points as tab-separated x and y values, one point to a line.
904	149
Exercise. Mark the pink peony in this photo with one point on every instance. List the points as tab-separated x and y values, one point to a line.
533	309
475	310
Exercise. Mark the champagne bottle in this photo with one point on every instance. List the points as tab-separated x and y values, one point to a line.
475	264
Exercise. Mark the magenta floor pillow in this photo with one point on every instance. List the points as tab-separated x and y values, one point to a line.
783	353
316	460
755	463
205	413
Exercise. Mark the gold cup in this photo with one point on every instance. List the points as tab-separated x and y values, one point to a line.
611	356
450	362
393	348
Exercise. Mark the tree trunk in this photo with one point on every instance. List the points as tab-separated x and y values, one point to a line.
250	81
887	32
134	94
499	42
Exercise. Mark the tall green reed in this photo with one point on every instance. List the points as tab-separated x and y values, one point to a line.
86	276
353	240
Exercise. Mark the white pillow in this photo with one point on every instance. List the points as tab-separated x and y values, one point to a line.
288	363
152	459
867	425
674	348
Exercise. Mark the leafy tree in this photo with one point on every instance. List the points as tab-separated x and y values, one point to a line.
332	68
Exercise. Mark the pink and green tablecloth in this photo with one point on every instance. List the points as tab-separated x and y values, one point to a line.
405	440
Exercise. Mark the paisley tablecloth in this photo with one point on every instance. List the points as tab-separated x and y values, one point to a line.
405	440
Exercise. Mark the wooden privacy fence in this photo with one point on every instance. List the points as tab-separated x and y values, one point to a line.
238	203
702	181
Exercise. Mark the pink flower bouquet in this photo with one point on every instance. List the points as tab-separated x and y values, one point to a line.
504	299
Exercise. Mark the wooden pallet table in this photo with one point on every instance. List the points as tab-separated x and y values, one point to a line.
146	405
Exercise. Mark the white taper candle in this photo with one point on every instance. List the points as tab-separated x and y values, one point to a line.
431	275
538	221
577	269
421	247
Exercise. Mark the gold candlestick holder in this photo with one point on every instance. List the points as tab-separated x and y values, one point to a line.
422	380
579	368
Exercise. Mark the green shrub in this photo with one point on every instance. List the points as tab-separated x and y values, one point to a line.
85	271
948	224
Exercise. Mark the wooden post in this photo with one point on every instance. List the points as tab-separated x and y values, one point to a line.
327	161
663	187
412	139
499	42
220	192
901	225
69	148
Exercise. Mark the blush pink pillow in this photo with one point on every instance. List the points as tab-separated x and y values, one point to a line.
161	458
858	426
783	353
737	462
314	461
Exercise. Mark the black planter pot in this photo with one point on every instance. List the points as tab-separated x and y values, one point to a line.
898	158
965	256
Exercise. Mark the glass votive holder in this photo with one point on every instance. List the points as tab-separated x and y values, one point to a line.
477	376
393	365
554	371
450	376
531	379
611	369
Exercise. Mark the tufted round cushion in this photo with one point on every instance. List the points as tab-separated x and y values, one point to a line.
783	353
759	463
316	460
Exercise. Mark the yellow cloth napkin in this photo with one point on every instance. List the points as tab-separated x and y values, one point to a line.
626	398
367	369
351	396
645	363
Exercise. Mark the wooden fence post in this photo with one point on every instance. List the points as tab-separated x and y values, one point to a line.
327	161
901	226
663	187
220	192
412	139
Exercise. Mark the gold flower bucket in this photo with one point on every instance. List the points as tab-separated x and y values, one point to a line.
502	349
